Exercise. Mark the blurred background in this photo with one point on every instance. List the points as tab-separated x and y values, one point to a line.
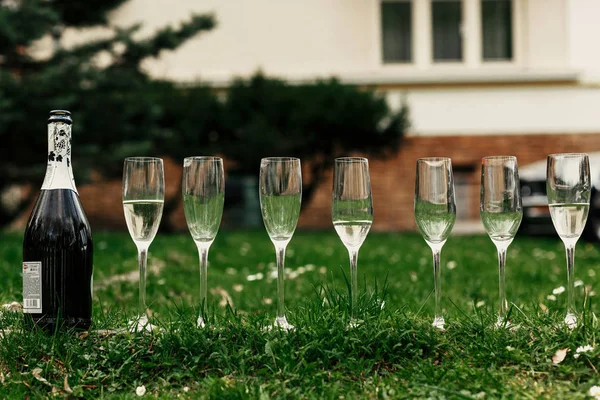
393	80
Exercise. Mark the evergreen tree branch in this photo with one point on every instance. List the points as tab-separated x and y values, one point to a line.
84	12
167	38
21	26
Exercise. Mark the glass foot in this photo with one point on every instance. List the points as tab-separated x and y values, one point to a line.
140	324
354	323
506	324
502	323
281	323
439	322
571	321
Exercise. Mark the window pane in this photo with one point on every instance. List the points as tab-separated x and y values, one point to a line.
465	191
496	22
446	21
396	23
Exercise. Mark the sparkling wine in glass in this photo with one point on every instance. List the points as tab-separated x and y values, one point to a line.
143	199
203	198
435	213
501	213
568	188
280	200
352	213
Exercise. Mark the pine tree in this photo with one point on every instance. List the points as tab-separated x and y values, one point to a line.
116	107
120	111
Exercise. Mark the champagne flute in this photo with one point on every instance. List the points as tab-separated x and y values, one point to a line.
352	213
501	213
203	197
568	188
435	213
280	199
143	199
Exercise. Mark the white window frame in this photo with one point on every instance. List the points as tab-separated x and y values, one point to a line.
472	57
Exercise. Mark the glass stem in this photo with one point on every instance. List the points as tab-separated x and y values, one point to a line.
353	281
142	259
437	282
203	253
570	249
503	307
280	250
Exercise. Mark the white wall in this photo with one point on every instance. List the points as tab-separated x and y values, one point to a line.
283	37
512	110
317	38
546	33
584	31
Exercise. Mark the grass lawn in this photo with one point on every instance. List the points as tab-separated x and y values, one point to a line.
395	353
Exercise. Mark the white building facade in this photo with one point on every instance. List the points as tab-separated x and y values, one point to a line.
465	67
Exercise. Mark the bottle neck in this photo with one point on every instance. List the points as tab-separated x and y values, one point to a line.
59	173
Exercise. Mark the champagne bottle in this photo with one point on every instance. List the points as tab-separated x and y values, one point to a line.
57	247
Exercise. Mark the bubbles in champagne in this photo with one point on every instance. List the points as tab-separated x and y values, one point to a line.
501	225
203	215
435	221
143	218
352	233
280	215
569	219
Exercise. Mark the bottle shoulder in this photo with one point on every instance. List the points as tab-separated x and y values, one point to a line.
58	219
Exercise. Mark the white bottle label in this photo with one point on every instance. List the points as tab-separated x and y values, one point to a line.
59	173
32	287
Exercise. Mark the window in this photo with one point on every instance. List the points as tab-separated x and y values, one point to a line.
429	32
446	16
466	192
496	23
396	24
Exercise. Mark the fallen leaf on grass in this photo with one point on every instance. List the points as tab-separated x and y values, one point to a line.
140	390
36	374
238	288
66	386
583	349
14	306
559	290
225	297
560	355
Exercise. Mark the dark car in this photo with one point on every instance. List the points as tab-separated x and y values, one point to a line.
536	215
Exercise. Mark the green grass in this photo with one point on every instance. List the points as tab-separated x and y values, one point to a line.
394	354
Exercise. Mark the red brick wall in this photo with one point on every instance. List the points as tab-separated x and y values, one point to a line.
392	180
